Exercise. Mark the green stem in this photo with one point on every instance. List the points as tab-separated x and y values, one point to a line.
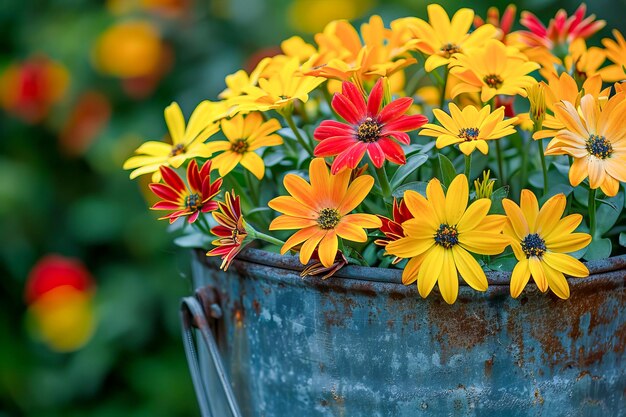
443	88
591	206
524	173
500	162
203	225
543	166
254	195
267	238
289	119
468	166
384	182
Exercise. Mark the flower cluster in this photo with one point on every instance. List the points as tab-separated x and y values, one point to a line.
364	144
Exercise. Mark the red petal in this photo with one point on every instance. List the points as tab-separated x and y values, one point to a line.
392	150
334	146
326	130
406	123
376	154
395	109
354	95
165	192
165	205
349	158
375	99
346	109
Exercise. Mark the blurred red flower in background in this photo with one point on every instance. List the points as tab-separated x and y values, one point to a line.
29	89
59	293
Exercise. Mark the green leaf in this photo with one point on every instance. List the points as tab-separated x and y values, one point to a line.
607	213
419	186
622	239
598	249
504	263
448	173
496	200
407	169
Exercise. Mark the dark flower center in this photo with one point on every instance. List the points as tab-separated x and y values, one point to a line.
533	245
469	133
177	150
240	146
599	146
448	49
193	202
328	218
493	81
369	130
446	236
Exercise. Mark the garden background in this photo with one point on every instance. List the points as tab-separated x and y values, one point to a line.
82	84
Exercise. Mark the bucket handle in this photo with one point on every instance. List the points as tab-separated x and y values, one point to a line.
193	316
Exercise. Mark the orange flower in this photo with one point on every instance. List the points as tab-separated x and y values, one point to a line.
320	210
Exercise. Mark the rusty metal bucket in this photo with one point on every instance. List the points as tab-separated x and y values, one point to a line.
363	344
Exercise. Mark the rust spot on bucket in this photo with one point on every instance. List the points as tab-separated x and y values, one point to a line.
256	306
488	367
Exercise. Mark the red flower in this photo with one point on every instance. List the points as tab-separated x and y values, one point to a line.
192	201
561	30
504	23
315	266
231	230
393	228
55	271
370	128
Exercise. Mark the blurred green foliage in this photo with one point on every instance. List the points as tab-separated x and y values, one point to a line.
81	204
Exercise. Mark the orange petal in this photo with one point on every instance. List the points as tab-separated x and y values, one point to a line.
357	191
349	231
285	222
291	206
328	248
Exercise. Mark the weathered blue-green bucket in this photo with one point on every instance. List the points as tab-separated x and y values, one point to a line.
363	344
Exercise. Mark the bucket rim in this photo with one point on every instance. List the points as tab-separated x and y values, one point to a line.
394	276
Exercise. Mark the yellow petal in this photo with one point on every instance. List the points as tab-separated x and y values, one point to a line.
409	275
291	206
253	163
285	222
469	269
566	264
550	214
483	243
448	279
475	215
519	278
175	122
421	208
571	243
430	270
516	218
530	208
456	199
437	199
349	231
538	274
357	191
408	247
309	246
328	248
298	237
556	281
564	227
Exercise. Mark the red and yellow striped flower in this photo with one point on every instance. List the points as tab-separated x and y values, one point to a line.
231	230
186	200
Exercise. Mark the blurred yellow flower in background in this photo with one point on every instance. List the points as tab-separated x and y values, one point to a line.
129	49
311	16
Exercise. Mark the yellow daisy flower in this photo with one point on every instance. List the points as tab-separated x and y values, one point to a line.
440	37
616	52
596	138
240	81
279	89
440	239
470	128
245	135
540	240
187	142
493	70
320	210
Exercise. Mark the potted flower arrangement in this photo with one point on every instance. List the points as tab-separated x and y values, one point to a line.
449	153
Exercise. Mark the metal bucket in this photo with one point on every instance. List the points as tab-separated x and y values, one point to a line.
363	344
